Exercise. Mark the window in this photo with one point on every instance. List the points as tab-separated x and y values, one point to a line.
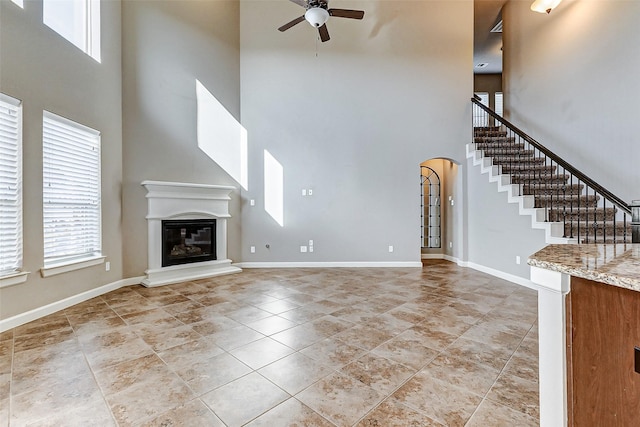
77	21
481	117
10	185
499	106
71	191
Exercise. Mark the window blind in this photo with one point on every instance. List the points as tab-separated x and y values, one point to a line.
71	190
499	105
10	185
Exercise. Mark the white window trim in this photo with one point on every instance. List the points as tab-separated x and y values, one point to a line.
13	279
66	267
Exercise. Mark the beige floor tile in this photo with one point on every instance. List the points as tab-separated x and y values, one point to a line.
235	337
253	393
295	372
408	349
341	399
290	413
471	376
192	414
487	353
299	337
365	337
440	401
205	375
379	373
333	352
392	413
271	325
493	414
516	393
261	352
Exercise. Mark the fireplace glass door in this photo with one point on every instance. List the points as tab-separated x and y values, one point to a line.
188	241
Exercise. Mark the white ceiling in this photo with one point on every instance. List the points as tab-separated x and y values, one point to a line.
487	45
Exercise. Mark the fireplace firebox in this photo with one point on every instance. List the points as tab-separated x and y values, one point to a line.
187	241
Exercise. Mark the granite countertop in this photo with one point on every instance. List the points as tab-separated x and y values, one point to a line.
617	265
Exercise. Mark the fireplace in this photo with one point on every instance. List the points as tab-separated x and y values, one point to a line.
186	241
187	232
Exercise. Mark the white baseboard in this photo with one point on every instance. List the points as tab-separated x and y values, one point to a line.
492	271
329	264
29	316
506	276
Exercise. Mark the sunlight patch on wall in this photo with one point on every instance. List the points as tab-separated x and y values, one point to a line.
273	188
221	136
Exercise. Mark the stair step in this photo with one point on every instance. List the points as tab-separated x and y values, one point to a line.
558	189
573	213
526	160
494	140
481	133
506	151
532	179
497	144
552	200
603	229
527	167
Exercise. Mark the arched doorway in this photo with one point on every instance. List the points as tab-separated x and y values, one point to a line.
441	209
430	199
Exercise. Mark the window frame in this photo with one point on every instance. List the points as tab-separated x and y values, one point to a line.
60	176
12	146
90	43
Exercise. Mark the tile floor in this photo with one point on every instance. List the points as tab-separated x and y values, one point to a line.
435	346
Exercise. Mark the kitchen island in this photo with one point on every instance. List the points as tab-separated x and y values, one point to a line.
589	328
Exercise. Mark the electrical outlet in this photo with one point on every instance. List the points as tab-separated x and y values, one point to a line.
518	259
450	245
107	266
390	248
310	192
310	248
252	202
252	249
303	249
304	191
310	242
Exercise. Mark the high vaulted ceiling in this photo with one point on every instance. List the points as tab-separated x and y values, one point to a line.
487	46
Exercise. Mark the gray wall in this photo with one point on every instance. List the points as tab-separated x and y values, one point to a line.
571	81
351	119
47	72
167	45
497	232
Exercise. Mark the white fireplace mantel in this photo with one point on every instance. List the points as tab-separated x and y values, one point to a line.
176	201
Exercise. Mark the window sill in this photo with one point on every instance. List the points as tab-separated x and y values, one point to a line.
13	279
52	270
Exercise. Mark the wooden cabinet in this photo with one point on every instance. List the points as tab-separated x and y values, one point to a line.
603	327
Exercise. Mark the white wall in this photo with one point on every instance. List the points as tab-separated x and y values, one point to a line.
47	72
167	45
351	119
571	81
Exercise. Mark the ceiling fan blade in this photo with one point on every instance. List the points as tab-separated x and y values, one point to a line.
302	3
324	33
347	13
288	25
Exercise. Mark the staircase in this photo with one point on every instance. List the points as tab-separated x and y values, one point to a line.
569	206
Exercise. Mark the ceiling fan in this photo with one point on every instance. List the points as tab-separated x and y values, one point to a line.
318	13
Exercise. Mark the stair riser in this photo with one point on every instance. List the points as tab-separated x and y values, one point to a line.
506	152
495	140
514	169
556	190
587	229
543	202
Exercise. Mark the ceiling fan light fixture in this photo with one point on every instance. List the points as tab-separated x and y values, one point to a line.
316	16
544	6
